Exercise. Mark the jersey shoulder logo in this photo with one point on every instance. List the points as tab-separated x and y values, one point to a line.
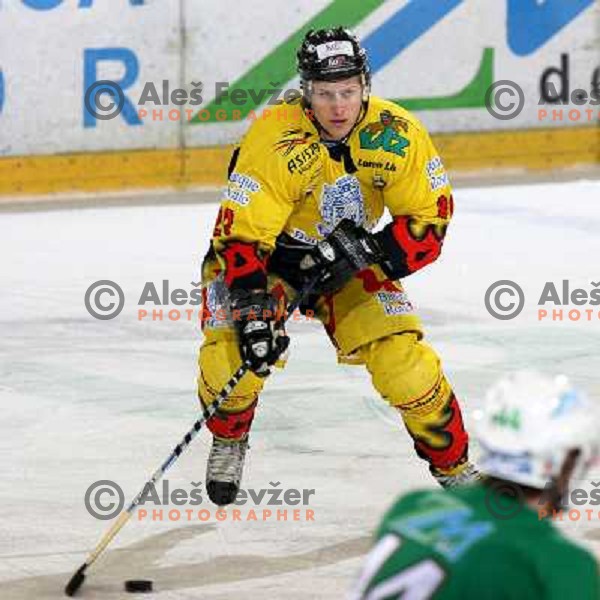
291	139
385	134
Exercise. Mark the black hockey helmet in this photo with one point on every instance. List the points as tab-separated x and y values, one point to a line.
330	55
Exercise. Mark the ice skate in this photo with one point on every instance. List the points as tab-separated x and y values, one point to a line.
224	469
463	474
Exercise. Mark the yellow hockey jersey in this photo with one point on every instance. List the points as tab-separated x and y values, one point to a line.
284	179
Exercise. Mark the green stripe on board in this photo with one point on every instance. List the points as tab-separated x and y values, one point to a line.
279	66
471	96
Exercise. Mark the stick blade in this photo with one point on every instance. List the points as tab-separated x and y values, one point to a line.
76	581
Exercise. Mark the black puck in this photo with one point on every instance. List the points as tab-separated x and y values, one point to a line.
139	586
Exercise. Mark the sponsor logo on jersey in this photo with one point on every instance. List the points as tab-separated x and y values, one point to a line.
302	236
370	164
245	182
436	173
305	159
341	200
395	303
291	139
236	196
385	134
239	188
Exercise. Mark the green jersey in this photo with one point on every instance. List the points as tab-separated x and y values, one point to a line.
447	545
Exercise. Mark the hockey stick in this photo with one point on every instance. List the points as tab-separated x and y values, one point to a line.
78	577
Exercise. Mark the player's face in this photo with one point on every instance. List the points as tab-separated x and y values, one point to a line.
336	105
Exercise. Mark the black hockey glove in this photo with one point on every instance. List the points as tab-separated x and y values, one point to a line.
260	329
345	251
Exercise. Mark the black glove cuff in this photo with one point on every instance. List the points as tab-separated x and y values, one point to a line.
393	258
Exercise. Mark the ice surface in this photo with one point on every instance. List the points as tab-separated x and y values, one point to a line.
84	400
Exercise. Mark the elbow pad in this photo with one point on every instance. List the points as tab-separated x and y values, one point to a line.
245	268
409	246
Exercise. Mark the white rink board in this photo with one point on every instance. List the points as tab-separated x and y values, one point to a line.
43	109
42	76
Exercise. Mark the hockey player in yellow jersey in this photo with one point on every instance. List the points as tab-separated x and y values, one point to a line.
308	184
